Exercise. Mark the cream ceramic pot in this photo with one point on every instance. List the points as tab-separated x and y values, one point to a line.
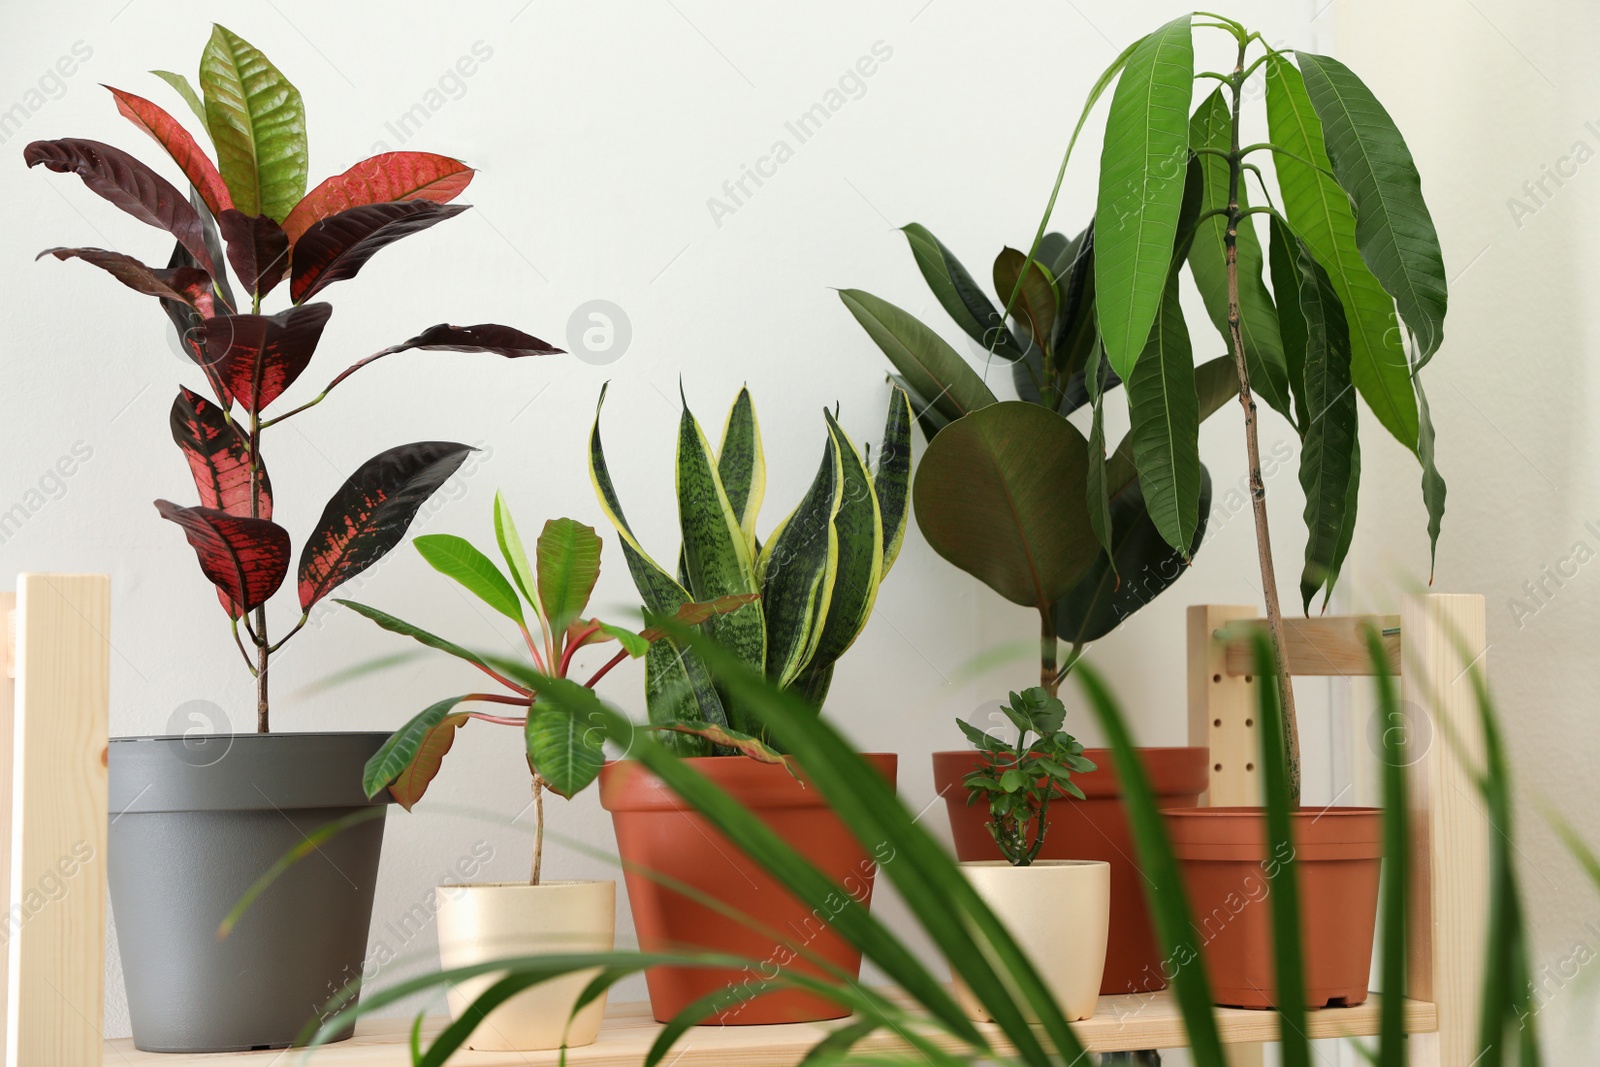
1059	912
487	922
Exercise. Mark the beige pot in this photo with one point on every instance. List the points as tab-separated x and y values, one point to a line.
1059	912
488	922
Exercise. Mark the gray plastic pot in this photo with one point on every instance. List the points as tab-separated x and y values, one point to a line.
195	822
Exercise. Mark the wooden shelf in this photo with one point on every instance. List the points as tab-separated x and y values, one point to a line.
1120	1023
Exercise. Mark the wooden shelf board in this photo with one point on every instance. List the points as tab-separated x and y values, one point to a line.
1121	1023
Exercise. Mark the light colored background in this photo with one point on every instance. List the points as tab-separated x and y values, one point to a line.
601	133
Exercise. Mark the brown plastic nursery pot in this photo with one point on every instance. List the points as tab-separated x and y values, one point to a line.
1226	866
659	834
1095	828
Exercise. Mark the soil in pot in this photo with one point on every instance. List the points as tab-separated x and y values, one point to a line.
1095	828
657	832
487	922
1226	870
194	823
1059	912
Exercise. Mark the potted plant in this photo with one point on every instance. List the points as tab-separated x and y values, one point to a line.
1061	907
1352	244
817	576
502	919
1081	547
196	821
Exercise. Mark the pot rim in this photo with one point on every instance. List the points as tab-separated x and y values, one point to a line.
547	883
1260	811
1035	863
628	785
242	735
241	772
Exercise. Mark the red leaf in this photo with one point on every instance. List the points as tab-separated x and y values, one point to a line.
188	285
388	178
335	248
409	785
170	134
129	184
370	513
257	357
257	248
246	559
219	456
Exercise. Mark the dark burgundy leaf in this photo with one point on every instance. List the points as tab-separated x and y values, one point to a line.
258	249
246	559
370	513
186	321
129	184
219	456
213	248
485	337
188	285
257	357
335	248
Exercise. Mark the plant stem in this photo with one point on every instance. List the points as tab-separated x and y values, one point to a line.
1258	489
1047	651
538	826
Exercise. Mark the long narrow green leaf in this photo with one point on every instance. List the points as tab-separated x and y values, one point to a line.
1165	413
405	629
1163	885
567	555
1372	163
1319	212
511	550
1396	858
798	567
891	481
934	369
1283	257
1141	189
1211	128
1330	461
959	294
1099	493
456	558
258	125
742	465
1433	487
1283	877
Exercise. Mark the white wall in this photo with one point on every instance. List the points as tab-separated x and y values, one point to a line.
601	132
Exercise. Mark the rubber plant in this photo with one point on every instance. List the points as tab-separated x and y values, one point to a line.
1012	492
555	588
249	209
817	574
1352	244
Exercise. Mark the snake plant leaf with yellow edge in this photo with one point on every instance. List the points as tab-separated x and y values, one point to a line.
1141	189
798	566
258	124
891	481
742	465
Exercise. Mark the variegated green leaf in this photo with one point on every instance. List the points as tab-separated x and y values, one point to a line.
1319	213
891	482
1330	458
568	559
798	565
1141	189
959	294
1211	128
742	465
858	528
258	125
1393	227
1164	411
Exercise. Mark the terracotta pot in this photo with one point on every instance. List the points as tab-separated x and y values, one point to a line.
1058	911
1095	828
657	832
488	922
1225	861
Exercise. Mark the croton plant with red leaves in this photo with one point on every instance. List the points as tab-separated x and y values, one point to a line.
249	210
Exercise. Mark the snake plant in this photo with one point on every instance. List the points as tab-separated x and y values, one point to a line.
817	573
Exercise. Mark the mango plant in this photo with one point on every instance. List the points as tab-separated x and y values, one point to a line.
817	574
563	754
249	209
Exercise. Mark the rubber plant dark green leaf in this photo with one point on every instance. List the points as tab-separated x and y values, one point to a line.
258	125
959	294
1393	227
1330	458
1141	189
1000	494
1036	301
1319	212
932	368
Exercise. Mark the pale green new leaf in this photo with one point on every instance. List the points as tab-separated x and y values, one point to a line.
1164	411
798	566
1372	163
891	481
930	365
959	293
516	557
1211	127
258	125
568	555
1141	189
456	558
185	90
1319	213
1330	458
